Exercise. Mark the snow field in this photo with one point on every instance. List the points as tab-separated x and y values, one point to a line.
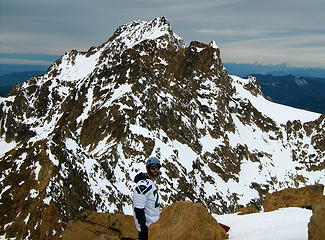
282	224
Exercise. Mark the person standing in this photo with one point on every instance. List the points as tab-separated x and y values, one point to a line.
146	202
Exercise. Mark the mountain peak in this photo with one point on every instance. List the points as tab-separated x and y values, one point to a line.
76	65
135	32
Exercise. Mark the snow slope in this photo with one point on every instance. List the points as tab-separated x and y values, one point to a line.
278	112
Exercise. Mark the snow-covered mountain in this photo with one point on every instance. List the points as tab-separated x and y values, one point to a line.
74	138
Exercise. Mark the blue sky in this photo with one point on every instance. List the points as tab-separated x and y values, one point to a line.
247	31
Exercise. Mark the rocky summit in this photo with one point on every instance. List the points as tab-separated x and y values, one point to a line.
74	138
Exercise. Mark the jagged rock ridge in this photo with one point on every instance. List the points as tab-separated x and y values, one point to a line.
74	138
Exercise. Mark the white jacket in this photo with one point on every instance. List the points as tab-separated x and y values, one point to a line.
146	197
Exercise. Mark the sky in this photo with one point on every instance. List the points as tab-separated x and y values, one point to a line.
247	31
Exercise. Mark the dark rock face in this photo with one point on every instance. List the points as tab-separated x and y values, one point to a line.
314	131
316	230
74	138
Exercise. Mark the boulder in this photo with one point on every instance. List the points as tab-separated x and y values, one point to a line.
100	226
186	221
316	226
294	197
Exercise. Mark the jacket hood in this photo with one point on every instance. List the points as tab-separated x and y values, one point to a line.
140	176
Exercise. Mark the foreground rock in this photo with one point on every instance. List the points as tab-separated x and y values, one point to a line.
99	226
179	221
186	221
316	226
290	197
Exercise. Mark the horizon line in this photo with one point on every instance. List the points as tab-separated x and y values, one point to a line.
48	59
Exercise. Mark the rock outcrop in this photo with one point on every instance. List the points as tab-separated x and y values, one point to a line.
179	221
186	221
316	226
100	226
291	197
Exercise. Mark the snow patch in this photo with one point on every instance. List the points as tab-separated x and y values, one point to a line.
80	68
33	193
6	147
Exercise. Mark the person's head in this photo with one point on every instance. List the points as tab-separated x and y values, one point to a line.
153	167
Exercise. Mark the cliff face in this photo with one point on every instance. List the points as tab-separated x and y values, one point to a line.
74	138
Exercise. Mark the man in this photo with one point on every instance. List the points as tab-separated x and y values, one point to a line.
146	202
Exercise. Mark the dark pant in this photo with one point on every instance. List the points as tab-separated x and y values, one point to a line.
143	235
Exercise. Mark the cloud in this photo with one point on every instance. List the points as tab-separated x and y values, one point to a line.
300	52
24	61
54	27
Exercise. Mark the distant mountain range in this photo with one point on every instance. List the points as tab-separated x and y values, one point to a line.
16	68
299	92
7	81
242	70
10	74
